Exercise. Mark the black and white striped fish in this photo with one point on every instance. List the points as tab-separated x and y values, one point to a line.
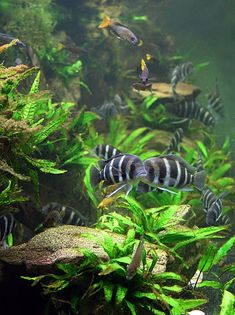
191	110
212	205
123	169
107	110
57	214
171	171
7	224
175	141
179	74
106	151
214	101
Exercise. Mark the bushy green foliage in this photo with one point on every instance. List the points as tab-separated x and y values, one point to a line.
105	281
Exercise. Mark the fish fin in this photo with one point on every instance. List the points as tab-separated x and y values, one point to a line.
106	22
223	194
142	188
129	189
180	121
115	191
199	180
140	43
143	64
94	176
167	190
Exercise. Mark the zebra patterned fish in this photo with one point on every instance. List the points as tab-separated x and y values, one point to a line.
171	171
212	205
123	169
175	141
191	110
57	214
106	151
7	224
214	102
107	110
179	74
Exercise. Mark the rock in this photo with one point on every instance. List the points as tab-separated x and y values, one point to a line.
61	245
163	91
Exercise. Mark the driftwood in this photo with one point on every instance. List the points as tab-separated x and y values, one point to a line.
163	91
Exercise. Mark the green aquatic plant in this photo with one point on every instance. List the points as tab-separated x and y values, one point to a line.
106	282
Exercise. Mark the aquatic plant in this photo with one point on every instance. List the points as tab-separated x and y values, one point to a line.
106	282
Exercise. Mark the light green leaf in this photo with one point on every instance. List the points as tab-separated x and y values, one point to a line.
120	294
227	305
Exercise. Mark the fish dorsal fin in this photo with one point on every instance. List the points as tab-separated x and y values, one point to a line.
183	162
103	162
120	24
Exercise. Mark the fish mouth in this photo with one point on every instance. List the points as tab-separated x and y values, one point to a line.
141	174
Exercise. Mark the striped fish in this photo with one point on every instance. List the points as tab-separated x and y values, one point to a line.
123	169
214	101
107	110
106	151
172	171
191	110
179	74
7	224
175	141
212	205
57	214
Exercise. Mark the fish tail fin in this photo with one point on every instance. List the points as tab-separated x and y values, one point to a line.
94	176
199	180
105	23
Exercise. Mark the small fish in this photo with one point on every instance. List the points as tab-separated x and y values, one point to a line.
120	31
191	110
6	39
123	169
106	202
179	74
106	151
144	76
142	87
7	224
172	171
72	49
214	101
136	260
107	110
212	205
196	279
57	214
174	145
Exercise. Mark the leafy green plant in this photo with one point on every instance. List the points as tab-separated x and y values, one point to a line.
106	282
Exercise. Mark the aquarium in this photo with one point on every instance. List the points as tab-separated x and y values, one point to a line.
117	188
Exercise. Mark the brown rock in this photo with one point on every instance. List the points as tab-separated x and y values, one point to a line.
61	245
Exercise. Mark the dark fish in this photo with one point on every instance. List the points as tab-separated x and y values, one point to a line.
191	110
120	30
7	224
72	49
123	169
172	171
136	260
106	151
107	110
214	101
144	76
142	87
6	39
212	205
180	73
57	214
175	141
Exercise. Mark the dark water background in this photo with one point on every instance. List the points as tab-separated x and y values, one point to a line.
204	30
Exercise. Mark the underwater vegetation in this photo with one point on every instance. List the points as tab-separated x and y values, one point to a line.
143	164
